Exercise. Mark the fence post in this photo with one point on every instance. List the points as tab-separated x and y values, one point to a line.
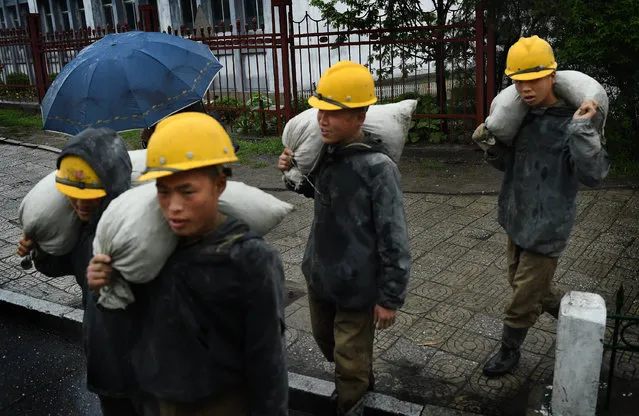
479	61
37	55
491	59
282	8
579	351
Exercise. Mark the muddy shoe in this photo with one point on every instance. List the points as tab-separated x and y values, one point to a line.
483	137
508	355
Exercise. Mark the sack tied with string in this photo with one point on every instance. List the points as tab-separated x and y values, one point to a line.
508	110
134	233
47	217
386	122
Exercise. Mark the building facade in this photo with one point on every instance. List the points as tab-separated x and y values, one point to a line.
59	15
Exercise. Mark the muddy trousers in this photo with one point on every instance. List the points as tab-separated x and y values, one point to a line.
530	276
345	337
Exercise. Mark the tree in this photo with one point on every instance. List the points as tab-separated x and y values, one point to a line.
601	38
413	48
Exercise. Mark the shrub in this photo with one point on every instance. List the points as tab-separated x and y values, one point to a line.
18	78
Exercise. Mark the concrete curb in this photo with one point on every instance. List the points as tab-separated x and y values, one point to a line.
306	394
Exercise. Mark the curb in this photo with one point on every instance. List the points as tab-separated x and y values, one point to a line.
306	394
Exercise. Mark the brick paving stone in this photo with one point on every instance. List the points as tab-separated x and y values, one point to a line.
436	292
498	387
449	367
406	353
424	330
470	346
418	305
488	326
462	241
538	341
449	314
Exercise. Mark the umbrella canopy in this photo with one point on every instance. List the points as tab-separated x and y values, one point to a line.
128	81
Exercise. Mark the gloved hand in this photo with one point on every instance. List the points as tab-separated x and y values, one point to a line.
483	137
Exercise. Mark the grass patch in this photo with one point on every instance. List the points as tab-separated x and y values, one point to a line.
271	146
19	118
132	139
429	164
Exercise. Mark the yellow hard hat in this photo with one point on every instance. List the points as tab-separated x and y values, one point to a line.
530	58
186	141
75	178
344	85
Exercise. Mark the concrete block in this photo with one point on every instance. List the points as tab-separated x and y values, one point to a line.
580	336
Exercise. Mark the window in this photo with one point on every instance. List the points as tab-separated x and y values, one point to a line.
189	10
254	9
82	18
15	17
131	13
66	15
47	17
109	18
221	13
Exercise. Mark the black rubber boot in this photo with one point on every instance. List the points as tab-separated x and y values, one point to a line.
508	355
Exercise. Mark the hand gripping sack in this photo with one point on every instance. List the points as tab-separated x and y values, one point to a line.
46	217
508	110
386	122
134	233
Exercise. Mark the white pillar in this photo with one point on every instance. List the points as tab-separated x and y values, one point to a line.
88	13
33	6
164	15
579	350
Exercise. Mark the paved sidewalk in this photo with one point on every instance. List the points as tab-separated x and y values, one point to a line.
451	322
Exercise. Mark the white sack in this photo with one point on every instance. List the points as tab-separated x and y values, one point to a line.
47	217
259	210
508	110
134	233
138	162
386	122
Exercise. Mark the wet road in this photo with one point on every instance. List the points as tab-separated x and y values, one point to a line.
41	372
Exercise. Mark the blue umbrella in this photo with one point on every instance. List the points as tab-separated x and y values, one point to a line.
128	81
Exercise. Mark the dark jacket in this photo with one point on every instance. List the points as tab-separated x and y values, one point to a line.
105	332
357	253
213	322
551	155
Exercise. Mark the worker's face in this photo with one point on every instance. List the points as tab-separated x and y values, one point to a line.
189	201
340	125
538	92
85	208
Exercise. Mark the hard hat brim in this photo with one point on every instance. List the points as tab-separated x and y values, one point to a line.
183	167
323	105
77	193
531	75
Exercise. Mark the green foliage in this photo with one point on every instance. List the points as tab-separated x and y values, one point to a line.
256	122
602	40
19	118
52	77
18	78
229	103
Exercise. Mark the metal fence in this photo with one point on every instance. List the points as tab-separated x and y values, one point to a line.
269	72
